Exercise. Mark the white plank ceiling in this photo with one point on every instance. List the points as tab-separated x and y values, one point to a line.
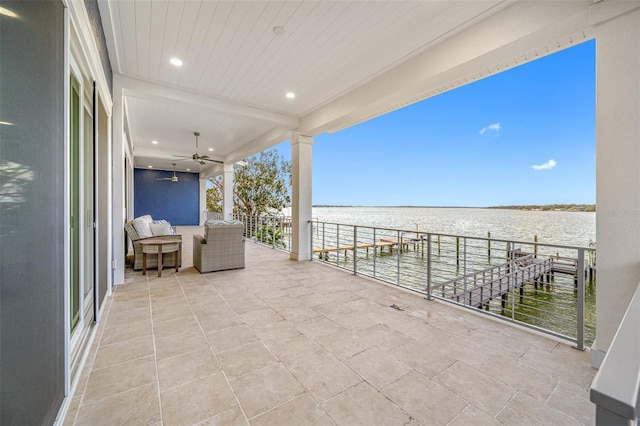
231	54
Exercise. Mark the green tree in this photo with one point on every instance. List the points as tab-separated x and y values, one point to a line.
214	196
261	187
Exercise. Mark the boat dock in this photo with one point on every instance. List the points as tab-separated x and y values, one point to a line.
481	287
323	252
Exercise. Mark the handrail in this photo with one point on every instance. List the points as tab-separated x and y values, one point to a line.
616	387
425	234
425	263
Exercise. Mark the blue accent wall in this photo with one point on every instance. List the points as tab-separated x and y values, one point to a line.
177	202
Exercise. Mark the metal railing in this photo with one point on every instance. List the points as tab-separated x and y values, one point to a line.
212	215
273	231
548	287
616	387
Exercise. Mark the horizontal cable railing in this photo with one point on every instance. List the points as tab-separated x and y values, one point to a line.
274	231
616	387
549	287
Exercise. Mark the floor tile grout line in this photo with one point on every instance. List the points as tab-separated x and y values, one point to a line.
306	391
117	393
279	361
224	374
155	354
106	317
459	414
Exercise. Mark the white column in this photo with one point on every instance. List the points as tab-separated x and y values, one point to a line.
301	200
618	166
202	192
118	204
227	192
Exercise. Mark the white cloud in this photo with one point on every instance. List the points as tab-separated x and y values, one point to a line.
495	127
546	166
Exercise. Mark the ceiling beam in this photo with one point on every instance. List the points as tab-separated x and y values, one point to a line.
146	90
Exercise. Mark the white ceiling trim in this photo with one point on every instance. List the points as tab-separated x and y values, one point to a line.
144	89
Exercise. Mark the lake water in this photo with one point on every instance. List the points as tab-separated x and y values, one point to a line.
551	227
552	306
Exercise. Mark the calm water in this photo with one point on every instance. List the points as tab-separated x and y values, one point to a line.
552	307
566	228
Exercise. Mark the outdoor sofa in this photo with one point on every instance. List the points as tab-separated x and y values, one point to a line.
145	227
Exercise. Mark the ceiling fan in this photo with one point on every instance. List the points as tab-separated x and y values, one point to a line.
174	178
202	159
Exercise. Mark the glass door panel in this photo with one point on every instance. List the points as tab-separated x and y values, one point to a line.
87	202
74	199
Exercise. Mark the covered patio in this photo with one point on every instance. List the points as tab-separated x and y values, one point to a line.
284	342
90	92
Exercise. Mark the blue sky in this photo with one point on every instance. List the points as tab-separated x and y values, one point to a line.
523	136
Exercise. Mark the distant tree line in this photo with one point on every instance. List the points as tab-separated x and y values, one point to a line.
552	207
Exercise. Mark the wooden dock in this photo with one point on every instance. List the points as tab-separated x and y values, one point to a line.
323	252
481	287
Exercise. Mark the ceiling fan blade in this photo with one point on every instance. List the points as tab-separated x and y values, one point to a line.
207	158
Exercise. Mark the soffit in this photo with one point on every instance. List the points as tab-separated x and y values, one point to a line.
232	55
345	60
230	51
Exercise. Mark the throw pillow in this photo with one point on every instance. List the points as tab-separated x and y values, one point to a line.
142	228
162	221
160	229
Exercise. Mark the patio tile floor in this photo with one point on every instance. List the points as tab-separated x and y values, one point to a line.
292	343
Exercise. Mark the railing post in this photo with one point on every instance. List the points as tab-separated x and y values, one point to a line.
337	244
325	255
580	301
375	254
355	248
310	240
467	299
399	246
429	267
512	278
273	232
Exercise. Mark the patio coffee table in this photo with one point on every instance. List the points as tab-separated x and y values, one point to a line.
159	245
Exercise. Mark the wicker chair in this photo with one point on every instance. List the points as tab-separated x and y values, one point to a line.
222	248
168	259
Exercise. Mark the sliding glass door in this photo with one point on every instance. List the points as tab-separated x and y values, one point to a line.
81	214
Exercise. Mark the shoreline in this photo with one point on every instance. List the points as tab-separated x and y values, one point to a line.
590	208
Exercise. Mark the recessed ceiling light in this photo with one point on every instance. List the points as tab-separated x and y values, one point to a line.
154	142
6	12
211	149
175	61
149	167
188	170
290	95
278	30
